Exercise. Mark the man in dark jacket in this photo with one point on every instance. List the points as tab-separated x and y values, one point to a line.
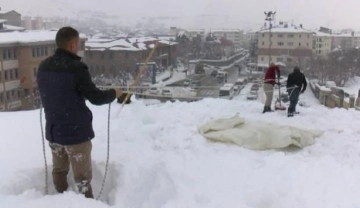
64	83
271	74
295	84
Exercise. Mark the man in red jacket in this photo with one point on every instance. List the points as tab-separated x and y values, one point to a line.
269	82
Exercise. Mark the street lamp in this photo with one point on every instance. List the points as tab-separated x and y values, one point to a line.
270	17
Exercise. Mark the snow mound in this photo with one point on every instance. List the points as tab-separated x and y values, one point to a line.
257	135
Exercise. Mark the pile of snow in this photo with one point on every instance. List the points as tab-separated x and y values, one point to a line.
159	159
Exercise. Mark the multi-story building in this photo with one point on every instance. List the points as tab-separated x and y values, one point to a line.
112	57
322	43
345	40
290	45
13	18
21	54
234	35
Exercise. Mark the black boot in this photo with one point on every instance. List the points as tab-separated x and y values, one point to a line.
267	109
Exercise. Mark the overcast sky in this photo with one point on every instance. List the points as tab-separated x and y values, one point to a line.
335	14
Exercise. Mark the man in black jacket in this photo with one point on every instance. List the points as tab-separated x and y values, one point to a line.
296	83
64	83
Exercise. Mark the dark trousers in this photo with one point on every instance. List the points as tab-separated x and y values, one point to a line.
294	98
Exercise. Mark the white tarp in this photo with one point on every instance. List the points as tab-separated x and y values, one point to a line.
257	135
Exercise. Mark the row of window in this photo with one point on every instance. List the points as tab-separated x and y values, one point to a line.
39	51
279	59
10	74
288	35
11	95
9	53
288	44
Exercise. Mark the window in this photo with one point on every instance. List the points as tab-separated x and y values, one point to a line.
9	53
280	35
6	75
290	36
279	59
299	44
33	52
27	92
280	43
263	43
290	43
16	73
4	53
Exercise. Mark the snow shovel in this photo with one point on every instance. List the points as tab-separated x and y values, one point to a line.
278	105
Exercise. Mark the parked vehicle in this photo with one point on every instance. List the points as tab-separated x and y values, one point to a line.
154	90
195	84
227	91
166	92
214	73
187	82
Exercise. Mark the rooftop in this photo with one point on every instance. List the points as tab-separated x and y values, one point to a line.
28	36
284	27
125	44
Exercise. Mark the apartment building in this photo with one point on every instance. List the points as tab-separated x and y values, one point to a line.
12	17
21	54
236	36
290	45
322	44
112	57
345	40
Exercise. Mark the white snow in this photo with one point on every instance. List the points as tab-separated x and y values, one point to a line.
29	36
159	159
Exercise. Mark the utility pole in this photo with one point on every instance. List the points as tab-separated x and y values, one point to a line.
270	17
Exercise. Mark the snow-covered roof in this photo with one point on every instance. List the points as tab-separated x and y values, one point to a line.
286	28
322	34
125	44
345	35
6	11
225	30
13	28
29	36
3	20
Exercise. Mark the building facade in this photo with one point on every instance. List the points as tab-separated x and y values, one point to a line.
13	18
21	54
291	45
322	44
235	36
115	57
